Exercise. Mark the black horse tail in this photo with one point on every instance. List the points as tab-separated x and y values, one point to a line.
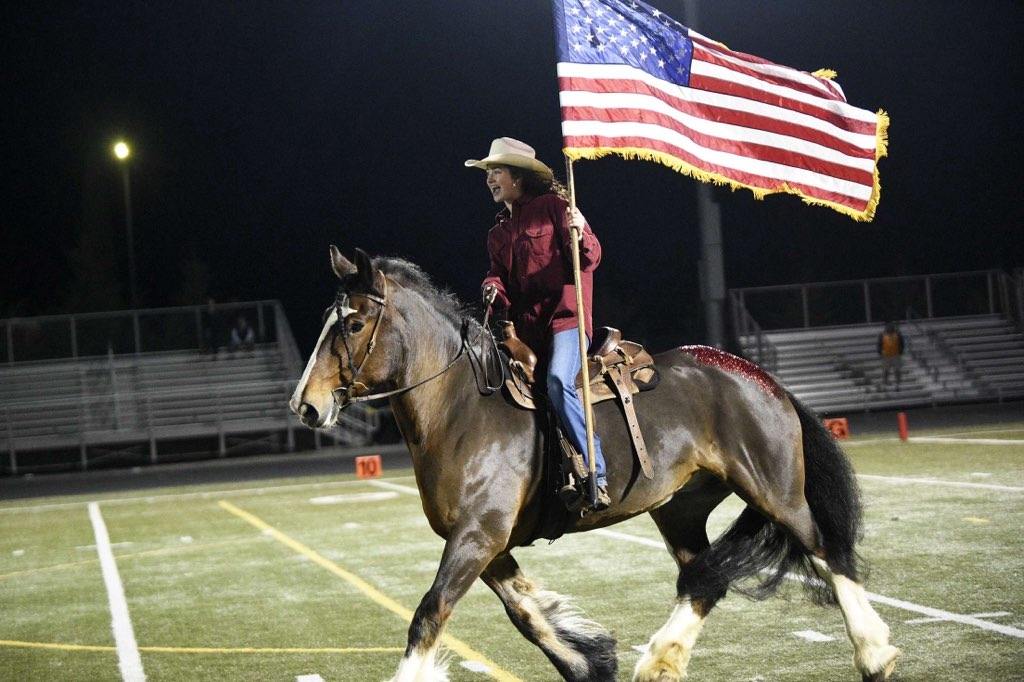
833	496
754	546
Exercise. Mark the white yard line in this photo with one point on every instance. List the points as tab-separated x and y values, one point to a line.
964	434
199	494
991	614
935	481
975	441
408	490
128	659
952	438
880	598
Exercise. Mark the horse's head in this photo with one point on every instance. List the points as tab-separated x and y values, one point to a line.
352	356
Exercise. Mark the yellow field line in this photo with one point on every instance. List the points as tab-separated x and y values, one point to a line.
456	645
207	650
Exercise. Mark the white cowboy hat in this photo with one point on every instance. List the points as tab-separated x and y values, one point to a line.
506	151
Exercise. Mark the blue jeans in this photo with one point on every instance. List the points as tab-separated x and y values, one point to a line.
562	371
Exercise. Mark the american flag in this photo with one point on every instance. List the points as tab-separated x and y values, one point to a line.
634	82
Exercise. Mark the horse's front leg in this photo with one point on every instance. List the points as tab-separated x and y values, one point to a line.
468	551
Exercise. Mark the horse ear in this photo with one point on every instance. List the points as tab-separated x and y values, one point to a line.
342	266
367	275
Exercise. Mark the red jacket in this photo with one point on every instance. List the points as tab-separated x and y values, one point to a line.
531	265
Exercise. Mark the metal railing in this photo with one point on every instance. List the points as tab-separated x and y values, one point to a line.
859	301
762	350
118	414
102	392
50	337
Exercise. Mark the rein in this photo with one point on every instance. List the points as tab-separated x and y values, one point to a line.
344	395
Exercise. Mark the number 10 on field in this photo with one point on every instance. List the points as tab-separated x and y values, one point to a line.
368	466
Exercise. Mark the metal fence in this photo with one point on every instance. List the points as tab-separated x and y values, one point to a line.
51	337
818	304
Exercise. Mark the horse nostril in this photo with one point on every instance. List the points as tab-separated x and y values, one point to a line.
308	414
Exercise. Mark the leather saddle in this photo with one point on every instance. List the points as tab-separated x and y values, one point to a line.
618	370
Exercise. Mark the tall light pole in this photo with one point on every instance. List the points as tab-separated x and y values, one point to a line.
123	152
711	268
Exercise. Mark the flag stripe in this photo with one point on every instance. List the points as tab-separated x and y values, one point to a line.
773	74
748	86
615	93
590	146
629	134
710	135
625	78
633	81
715	46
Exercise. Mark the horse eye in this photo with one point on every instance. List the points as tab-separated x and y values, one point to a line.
356	326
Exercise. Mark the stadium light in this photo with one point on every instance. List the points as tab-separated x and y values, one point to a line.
122	151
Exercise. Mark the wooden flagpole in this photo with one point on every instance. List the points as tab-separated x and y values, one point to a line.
581	326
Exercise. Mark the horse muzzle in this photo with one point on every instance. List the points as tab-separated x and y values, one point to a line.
312	417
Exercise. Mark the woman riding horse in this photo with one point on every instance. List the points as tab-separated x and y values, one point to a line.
530	277
716	425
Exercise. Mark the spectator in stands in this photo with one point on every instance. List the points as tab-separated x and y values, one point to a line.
242	335
890	350
210	321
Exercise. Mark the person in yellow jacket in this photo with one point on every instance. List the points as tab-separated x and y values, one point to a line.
890	350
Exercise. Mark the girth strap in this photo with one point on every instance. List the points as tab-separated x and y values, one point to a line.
626	399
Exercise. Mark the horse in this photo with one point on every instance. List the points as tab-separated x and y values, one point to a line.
716	424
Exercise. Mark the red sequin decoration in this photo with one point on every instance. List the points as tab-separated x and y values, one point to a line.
737	365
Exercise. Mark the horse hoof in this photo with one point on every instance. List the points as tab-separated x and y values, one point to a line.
888	665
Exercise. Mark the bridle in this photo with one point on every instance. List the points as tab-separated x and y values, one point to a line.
345	395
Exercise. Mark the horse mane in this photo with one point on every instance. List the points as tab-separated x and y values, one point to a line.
412	276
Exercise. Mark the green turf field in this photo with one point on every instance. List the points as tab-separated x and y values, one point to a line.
302	577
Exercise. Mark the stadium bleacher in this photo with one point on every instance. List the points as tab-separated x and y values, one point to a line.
144	401
947	360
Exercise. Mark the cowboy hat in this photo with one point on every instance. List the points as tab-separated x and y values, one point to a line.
506	151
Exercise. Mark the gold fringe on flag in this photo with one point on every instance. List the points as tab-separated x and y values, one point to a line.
680	166
827	74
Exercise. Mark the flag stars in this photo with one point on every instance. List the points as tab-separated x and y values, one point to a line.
661	63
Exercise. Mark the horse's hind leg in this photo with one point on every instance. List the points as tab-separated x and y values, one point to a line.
579	648
682	523
873	656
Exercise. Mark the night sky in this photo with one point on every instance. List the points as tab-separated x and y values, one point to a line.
263	132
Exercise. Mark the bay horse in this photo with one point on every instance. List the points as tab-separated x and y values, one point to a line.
716	424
